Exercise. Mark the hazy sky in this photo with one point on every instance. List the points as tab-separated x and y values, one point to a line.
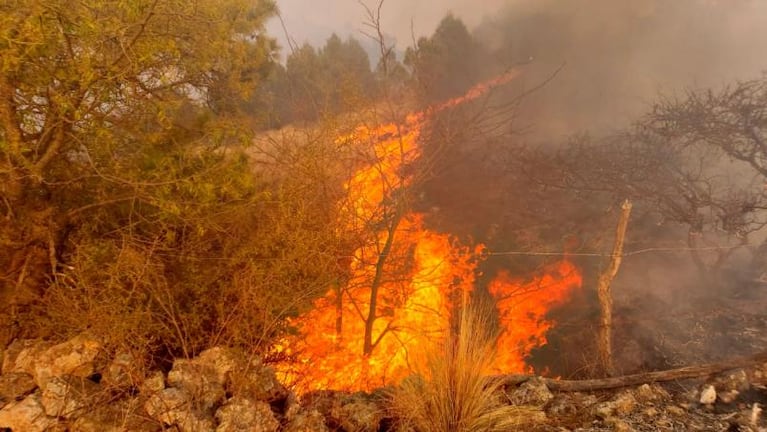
315	20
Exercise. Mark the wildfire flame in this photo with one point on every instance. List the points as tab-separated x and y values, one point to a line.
416	277
522	308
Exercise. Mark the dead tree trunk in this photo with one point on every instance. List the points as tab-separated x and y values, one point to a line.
686	372
604	341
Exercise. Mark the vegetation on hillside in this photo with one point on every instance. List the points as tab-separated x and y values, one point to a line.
134	203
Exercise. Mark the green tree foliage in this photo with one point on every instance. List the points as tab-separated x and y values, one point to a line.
126	204
447	63
333	79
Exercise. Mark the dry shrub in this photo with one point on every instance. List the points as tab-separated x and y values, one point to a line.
109	293
454	393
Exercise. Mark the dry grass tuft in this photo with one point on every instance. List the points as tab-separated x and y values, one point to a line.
454	393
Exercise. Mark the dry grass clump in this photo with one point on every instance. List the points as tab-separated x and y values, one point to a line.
454	393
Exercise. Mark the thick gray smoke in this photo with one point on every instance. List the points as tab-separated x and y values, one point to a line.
619	55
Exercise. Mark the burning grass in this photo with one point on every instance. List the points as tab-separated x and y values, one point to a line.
452	392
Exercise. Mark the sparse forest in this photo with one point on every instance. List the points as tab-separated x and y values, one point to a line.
172	180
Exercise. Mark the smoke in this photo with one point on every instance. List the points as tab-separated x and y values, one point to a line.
619	55
401	20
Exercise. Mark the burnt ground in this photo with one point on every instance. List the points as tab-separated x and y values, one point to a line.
657	333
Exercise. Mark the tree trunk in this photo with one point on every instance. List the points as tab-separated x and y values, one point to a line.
604	341
375	286
686	372
339	312
692	244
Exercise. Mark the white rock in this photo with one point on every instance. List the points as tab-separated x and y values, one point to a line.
74	357
728	396
68	396
21	355
708	395
307	421
222	360
244	415
121	371
756	413
27	415
198	379
174	407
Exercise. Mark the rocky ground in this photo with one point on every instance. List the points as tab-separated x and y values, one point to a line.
71	387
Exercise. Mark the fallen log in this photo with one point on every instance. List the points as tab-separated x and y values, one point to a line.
686	372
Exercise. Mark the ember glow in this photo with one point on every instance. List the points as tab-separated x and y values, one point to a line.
417	278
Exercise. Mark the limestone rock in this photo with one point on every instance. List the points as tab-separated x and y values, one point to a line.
734	380
121	371
244	415
15	386
562	405
199	380
259	382
153	383
173	406
708	395
206	376
307	421
727	396
21	355
27	415
621	405
358	413
68	396
650	393
74	357
532	392
223	361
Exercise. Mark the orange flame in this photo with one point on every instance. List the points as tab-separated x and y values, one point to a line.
522	308
422	278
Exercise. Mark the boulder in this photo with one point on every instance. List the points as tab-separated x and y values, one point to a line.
207	376
244	415
199	380
121	372
357	412
258	381
15	386
21	354
173	406
532	392
307	421
222	361
707	395
651	393
567	405
74	357
733	380
359	415
27	415
730	385
68	396
621	405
